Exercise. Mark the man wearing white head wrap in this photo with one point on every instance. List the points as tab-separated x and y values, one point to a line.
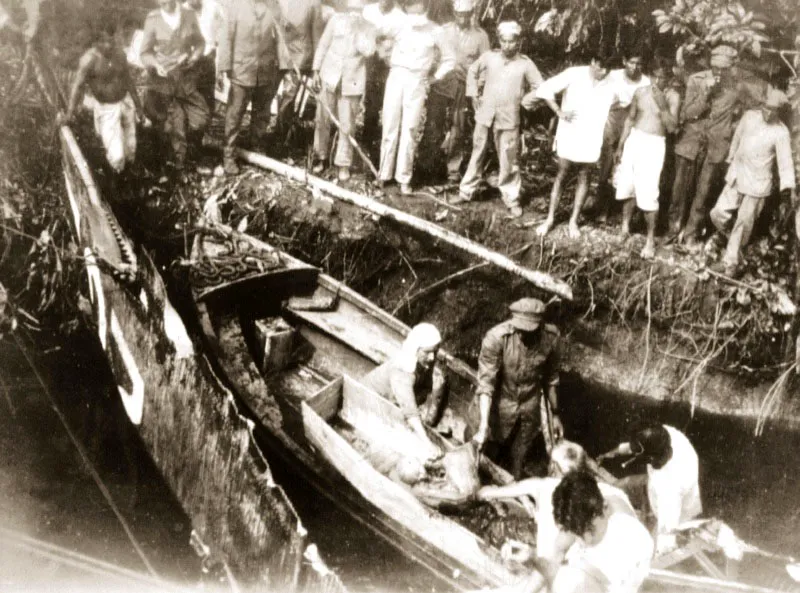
412	377
509	81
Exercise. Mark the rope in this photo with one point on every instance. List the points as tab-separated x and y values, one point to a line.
95	476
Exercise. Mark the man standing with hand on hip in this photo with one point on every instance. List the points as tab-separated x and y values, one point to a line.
510	81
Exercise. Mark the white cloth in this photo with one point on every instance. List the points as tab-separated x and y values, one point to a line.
115	123
580	140
403	122
622	556
674	490
639	170
422	335
546	529
625	87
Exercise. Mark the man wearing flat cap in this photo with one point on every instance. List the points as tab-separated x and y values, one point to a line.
710	108
519	359
760	142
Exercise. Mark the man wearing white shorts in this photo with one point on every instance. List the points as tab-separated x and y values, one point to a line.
641	155
103	70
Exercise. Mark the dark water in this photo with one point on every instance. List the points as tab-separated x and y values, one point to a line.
46	492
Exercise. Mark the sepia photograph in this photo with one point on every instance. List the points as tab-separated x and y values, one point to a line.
370	296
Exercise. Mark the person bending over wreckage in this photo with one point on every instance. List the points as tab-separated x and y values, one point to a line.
605	546
412	377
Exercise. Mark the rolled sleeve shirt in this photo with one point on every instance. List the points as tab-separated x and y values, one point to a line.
421	48
249	45
674	489
707	118
755	148
514	374
302	28
341	55
407	390
507	83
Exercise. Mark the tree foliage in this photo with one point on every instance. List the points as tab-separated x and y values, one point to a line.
703	24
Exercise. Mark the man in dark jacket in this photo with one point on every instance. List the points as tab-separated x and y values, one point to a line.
519	358
172	44
248	56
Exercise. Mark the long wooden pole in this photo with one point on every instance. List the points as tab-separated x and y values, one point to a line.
540	279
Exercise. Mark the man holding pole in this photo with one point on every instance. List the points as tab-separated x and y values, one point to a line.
339	77
248	56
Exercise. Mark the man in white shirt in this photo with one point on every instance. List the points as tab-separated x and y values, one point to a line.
627	80
613	551
551	543
421	54
387	18
673	487
588	96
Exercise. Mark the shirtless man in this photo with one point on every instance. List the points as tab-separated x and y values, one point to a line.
104	70
641	154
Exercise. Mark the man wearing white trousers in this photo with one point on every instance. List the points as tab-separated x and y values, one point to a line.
510	81
103	70
421	48
340	64
640	155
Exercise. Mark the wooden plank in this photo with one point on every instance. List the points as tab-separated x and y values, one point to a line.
401	505
541	279
326	401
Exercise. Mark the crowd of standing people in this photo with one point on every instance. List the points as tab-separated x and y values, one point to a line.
387	65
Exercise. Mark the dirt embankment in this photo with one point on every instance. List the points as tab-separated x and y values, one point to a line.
668	329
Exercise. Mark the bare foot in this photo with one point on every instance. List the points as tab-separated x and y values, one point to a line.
573	231
624	234
649	250
544	228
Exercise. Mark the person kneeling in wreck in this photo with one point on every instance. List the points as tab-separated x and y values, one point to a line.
412	378
552	543
610	550
519	359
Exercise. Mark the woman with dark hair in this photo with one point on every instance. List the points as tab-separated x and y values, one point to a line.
613	550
